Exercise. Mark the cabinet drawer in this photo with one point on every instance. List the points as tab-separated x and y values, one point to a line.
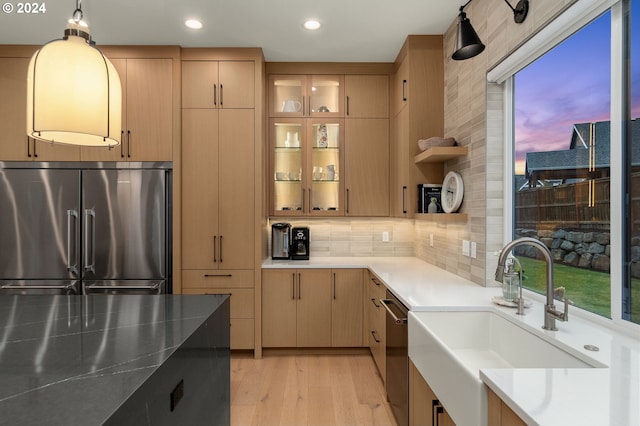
242	333
221	279
241	299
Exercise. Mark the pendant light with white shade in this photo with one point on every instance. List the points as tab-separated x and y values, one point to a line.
73	91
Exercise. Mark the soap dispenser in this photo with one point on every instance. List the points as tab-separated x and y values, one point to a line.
510	280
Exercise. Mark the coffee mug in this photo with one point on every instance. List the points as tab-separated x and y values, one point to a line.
291	105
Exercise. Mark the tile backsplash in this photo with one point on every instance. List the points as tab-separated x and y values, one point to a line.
357	237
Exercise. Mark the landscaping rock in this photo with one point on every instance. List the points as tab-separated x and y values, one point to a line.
546	241
571	259
574	237
560	233
601	262
595	248
635	253
588	237
604	238
545	234
585	260
558	254
567	245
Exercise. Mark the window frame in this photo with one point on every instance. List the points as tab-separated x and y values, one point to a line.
566	24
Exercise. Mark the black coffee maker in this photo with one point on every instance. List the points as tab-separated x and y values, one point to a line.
299	243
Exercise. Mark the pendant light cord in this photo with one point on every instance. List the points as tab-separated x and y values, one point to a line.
77	14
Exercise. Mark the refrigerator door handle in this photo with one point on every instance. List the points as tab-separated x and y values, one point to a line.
90	249
72	267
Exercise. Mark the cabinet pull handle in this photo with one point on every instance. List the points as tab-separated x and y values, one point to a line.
129	143
221	95
404	209
434	404
309	105
217	275
215	95
28	147
215	242
439	410
310	208
373	333
293	286
347	105
299	286
221	241
347	206
334	286
373	300
303	105
375	281
35	148
121	143
404	96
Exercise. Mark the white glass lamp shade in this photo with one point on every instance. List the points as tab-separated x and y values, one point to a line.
73	95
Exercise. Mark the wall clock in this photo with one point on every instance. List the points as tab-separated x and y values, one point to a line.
452	192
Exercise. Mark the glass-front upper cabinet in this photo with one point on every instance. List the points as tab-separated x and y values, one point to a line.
306	161
306	95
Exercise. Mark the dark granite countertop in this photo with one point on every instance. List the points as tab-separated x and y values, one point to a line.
76	359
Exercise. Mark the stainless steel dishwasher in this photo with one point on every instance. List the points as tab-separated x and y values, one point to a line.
397	380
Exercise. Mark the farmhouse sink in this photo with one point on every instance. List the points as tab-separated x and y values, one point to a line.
450	347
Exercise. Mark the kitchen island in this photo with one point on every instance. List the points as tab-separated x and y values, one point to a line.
107	359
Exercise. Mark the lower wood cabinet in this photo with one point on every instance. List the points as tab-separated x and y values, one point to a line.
376	334
499	413
237	283
424	407
312	307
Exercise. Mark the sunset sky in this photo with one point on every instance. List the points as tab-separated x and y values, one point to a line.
569	85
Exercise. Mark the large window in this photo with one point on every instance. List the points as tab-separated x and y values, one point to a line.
561	186
564	147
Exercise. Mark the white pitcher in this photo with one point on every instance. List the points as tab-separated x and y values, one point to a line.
291	105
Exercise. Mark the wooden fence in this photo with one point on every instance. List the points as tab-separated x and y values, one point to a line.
582	205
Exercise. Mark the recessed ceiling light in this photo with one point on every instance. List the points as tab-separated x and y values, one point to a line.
312	24
194	24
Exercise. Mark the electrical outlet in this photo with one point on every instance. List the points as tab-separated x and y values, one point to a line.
430	240
474	249
385	237
465	248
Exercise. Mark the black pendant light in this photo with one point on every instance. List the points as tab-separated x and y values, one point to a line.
468	44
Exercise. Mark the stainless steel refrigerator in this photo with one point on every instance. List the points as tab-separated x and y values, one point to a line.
81	228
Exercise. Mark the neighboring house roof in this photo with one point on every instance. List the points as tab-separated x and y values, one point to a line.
574	162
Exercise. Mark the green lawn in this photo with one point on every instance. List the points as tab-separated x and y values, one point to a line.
587	289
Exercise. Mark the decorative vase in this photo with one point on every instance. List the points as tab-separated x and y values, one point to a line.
433	206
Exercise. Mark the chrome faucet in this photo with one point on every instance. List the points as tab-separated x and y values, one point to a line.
550	312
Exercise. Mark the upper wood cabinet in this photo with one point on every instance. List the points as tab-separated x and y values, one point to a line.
14	143
306	96
147	112
149	107
417	112
367	167
218	84
367	96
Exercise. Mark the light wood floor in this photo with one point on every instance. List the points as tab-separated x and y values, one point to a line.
305	389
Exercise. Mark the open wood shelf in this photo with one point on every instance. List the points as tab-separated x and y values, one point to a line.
438	154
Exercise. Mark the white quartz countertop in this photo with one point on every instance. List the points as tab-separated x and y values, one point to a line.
609	395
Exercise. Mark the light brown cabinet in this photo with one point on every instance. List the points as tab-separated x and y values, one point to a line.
312	307
218	189
149	104
424	407
218	84
319	96
366	167
347	308
367	145
306	159
366	96
499	413
147	111
417	112
376	334
14	143
296	307
240	286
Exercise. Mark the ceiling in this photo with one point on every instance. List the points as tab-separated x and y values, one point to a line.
352	30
